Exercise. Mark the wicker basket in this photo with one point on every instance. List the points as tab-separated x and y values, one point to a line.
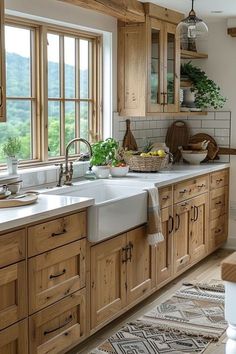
138	163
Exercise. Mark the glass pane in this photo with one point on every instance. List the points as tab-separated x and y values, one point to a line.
70	123
54	128
69	54
53	66
171	68
18	62
84	68
155	66
84	123
18	125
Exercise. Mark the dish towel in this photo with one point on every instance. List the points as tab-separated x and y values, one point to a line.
155	234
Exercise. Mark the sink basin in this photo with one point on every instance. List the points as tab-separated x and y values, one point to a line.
118	206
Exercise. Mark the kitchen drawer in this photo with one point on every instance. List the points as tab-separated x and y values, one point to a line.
165	197
219	179
218	202
14	339
56	274
218	232
190	188
59	327
52	234
13	294
12	247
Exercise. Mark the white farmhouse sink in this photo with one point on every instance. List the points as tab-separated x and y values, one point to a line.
119	206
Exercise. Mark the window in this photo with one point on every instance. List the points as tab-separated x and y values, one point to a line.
65	85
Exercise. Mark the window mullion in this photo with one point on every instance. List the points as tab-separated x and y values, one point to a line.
77	91
62	95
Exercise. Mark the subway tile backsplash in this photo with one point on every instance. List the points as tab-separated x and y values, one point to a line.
217	124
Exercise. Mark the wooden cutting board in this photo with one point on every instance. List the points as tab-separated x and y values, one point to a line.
18	201
177	135
129	142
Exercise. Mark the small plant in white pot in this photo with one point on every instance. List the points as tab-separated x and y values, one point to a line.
103	153
11	149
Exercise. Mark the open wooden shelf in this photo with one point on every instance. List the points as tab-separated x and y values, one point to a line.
187	54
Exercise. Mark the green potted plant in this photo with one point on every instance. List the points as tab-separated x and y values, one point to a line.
11	149
206	91
103	153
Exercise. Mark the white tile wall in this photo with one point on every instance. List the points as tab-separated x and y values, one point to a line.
217	124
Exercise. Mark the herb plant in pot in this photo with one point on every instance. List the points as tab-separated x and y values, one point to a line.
103	153
206	91
11	149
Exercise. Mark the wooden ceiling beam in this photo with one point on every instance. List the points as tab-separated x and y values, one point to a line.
124	10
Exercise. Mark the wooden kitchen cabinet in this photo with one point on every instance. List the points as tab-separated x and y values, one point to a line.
140	265
122	271
2	65
12	247
13	294
164	250
59	327
14	339
148	68
56	274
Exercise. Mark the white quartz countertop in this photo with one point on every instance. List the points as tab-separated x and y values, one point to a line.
55	205
177	173
45	207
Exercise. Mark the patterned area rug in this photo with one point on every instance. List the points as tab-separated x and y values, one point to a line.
186	323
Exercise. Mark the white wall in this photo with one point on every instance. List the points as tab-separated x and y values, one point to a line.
221	67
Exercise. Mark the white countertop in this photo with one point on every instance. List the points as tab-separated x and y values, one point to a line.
54	205
45	207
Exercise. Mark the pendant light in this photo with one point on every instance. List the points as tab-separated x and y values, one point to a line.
192	27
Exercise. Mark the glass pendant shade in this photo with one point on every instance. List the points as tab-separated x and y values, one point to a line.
191	27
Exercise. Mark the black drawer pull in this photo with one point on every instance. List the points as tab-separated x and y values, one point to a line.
201	185
56	329
165	198
57	275
183	191
171	219
63	232
218	231
218	203
219	180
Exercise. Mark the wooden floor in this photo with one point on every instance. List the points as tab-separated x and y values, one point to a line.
205	271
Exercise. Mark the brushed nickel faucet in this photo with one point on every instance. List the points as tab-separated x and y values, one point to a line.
67	173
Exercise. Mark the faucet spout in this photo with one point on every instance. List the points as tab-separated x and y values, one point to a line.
69	172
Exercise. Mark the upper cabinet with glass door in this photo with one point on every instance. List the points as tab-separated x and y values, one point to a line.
2	66
148	67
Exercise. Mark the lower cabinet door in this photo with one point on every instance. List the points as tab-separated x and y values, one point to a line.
199	225
140	265
218	232
181	249
59	327
108	279
164	249
14	339
13	294
56	274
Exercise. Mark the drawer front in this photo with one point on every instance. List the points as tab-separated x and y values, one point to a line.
12	247
219	179
165	197
59	327
13	294
191	188
52	234
219	232
218	202
56	274
14	339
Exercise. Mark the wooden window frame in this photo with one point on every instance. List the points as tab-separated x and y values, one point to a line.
39	133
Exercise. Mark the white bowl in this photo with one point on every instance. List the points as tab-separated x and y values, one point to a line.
119	171
101	171
194	158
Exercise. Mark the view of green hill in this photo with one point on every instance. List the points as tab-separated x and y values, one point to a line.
19	112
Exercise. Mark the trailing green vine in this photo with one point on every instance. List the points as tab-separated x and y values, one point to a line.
207	92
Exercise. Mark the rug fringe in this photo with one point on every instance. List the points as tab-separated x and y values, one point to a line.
168	328
204	286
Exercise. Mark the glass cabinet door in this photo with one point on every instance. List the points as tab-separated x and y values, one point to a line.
171	70
155	66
